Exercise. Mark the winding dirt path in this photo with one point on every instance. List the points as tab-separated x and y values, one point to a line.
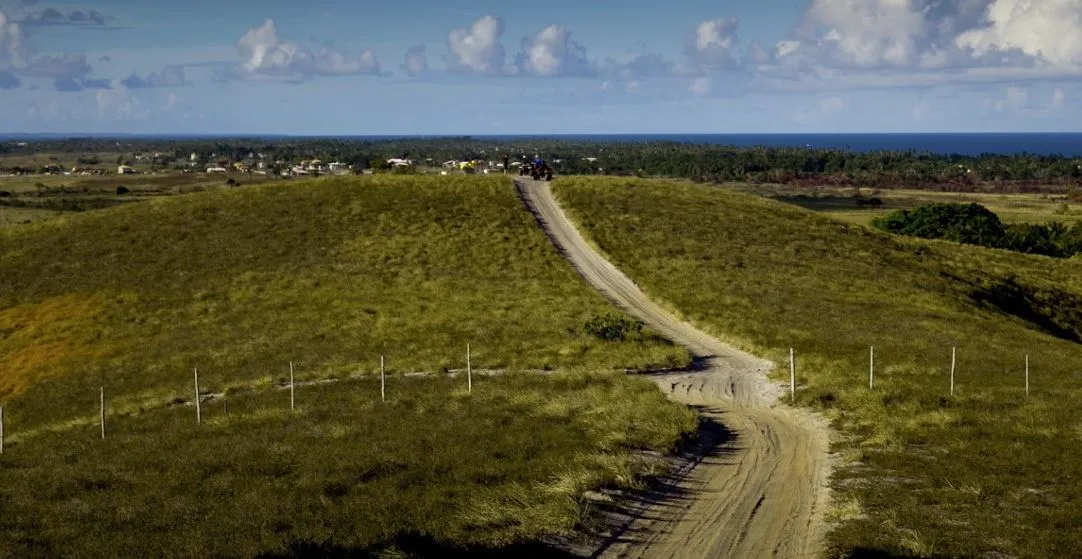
758	488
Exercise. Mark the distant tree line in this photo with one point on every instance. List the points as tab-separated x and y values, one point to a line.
976	225
699	162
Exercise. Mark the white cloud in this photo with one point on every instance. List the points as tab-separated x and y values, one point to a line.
415	63
921	110
701	86
11	43
929	42
478	49
1047	30
1014	98
553	52
712	44
171	76
119	103
1057	98
266	55
832	105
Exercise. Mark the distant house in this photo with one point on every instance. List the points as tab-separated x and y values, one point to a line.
399	162
215	170
125	170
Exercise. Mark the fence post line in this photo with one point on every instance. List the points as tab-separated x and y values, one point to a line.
1027	374
469	371
292	398
792	375
382	380
954	351
103	413
871	367
1	429
198	410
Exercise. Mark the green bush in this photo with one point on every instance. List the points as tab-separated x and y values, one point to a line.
612	327
962	223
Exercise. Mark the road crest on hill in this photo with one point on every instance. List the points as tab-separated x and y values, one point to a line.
758	488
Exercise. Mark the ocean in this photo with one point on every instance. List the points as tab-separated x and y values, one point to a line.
1065	144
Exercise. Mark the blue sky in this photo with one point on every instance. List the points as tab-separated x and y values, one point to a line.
561	66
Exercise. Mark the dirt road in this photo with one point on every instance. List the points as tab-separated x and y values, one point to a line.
759	489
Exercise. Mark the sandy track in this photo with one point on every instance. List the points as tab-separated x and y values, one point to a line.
758	488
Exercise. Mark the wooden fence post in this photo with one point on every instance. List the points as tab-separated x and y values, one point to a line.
1	429
953	356
792	375
292	397
871	367
103	413
1027	375
382	380
198	410
469	371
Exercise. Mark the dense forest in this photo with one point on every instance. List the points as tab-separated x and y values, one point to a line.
700	162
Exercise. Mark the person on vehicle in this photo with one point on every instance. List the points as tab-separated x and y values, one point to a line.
537	161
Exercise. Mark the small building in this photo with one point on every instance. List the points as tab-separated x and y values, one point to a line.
125	170
399	162
211	170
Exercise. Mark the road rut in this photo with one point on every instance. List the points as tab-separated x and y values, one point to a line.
761	490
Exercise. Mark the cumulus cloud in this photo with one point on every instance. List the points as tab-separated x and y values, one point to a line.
1046	30
70	84
478	49
265	55
11	43
53	16
119	103
701	86
171	76
931	42
1058	97
56	66
553	52
415	63
712	44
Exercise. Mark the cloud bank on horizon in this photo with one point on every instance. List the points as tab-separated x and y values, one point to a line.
836	65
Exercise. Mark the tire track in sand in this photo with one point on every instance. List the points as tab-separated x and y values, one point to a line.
762	491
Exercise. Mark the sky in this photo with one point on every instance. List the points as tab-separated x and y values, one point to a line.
421	67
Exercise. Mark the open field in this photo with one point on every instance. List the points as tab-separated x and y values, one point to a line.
985	471
840	202
433	467
37	197
329	274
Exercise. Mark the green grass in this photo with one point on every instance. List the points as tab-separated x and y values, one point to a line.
922	473
840	204
433	468
329	274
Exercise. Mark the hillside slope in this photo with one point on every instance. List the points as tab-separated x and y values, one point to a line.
987	470
329	274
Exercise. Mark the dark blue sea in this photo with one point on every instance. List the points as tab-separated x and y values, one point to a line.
1066	144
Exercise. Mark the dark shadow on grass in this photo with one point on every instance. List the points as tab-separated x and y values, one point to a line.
873	553
421	547
712	441
1052	311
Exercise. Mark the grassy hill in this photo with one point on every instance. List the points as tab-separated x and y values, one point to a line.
987	470
329	274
